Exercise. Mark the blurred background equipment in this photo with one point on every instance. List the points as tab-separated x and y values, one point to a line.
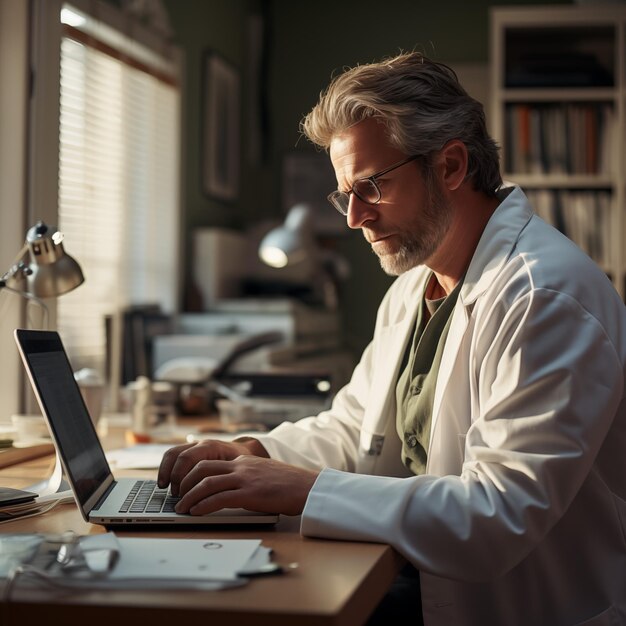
293	243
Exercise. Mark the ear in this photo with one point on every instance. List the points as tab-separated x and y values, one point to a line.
452	163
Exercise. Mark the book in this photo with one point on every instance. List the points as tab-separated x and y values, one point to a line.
14	455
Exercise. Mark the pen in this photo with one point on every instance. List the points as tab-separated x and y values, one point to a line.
269	569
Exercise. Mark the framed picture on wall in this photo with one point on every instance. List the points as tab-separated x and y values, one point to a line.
221	127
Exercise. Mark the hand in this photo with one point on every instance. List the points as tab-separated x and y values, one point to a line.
178	461
249	482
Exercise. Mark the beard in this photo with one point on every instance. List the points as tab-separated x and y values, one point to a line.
424	238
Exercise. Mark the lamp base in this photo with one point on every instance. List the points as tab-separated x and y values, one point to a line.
56	483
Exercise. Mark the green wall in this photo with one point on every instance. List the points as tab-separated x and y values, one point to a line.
308	42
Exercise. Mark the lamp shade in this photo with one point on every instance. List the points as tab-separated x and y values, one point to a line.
50	270
290	243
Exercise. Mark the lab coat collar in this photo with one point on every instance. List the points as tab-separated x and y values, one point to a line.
494	248
496	243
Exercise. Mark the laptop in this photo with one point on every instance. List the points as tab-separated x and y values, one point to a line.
101	498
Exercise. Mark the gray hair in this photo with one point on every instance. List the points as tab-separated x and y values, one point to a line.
423	106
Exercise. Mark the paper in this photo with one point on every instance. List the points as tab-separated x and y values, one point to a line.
110	562
141	456
149	455
191	559
179	563
39	505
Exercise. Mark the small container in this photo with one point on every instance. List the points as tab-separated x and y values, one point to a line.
162	408
152	407
30	429
141	398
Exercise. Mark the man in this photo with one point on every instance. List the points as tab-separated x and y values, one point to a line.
483	433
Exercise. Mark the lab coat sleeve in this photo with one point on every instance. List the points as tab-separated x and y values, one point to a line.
550	381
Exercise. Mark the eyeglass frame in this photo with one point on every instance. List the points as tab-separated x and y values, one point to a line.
341	194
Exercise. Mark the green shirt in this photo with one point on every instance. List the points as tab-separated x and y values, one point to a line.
415	390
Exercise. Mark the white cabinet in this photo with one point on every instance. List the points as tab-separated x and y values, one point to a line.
558	85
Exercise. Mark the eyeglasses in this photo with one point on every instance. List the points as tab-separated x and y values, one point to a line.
365	189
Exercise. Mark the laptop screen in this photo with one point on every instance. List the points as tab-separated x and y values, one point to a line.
60	395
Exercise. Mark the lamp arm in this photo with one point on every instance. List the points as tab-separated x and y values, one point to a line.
17	271
17	267
299	218
32	298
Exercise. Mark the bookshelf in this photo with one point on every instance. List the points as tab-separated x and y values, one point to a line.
558	110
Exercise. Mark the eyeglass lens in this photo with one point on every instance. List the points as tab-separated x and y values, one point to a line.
340	200
365	189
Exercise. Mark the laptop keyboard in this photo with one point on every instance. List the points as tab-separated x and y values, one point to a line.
146	497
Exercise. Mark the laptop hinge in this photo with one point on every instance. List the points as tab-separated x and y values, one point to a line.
104	496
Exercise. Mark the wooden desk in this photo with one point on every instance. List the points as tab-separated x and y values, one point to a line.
336	583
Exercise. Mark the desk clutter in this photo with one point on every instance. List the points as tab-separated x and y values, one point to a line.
17	503
287	360
242	401
10	497
15	452
106	561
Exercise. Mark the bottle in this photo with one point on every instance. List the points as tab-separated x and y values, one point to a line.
141	395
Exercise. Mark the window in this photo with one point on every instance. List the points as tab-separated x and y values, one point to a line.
118	180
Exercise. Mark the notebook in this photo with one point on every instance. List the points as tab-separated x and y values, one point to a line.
101	498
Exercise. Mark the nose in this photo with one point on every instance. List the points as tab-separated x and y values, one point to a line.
360	213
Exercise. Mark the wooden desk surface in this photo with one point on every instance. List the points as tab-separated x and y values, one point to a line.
336	583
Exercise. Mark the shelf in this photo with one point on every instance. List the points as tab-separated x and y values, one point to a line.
560	181
591	94
559	105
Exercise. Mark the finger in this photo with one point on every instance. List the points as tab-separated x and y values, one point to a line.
186	461
203	469
205	488
232	499
167	463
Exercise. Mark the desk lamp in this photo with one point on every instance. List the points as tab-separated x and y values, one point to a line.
293	242
44	266
47	271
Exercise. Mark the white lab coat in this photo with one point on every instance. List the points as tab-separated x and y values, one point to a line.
521	517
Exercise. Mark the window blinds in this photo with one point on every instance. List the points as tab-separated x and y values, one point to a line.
118	191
